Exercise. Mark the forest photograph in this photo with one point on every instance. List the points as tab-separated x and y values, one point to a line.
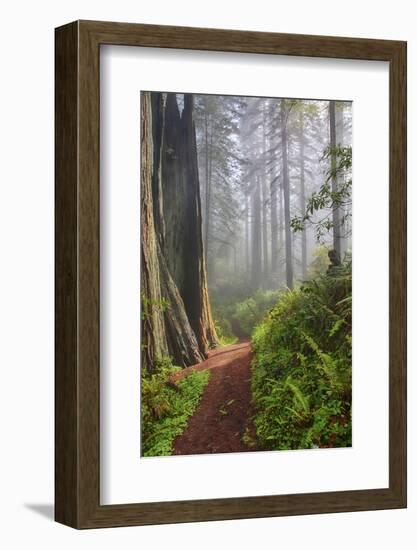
246	273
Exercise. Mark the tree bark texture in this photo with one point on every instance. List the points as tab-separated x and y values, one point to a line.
154	342
177	319
207	186
340	138
336	211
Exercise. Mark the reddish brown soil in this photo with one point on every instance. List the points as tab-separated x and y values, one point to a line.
222	417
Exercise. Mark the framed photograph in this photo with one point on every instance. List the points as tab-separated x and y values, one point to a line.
230	274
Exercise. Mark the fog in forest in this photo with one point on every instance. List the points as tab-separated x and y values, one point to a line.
246	279
262	161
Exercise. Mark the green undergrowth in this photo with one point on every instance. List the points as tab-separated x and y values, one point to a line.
166	407
241	312
224	331
251	311
301	372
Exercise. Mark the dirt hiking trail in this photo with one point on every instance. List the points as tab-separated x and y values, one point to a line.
222	417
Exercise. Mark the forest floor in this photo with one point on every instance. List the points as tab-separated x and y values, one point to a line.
221	423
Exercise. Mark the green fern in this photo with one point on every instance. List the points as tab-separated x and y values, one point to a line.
299	398
164	409
301	370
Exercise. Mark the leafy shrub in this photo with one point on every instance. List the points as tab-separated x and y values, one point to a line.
224	297
166	407
301	372
251	311
224	331
319	263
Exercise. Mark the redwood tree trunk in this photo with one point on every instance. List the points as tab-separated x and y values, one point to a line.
177	318
335	210
256	236
207	186
264	207
247	238
154	342
339	138
303	200
265	272
286	190
274	187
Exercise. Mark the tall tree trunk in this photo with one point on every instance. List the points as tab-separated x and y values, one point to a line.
302	199
174	283
207	187
154	342
195	293
247	236
281	225
273	191
339	121
265	276
335	210
286	189
273	185
340	126
211	258
256	236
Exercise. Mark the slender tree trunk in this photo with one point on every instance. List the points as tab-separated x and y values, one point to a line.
265	275
303	199
274	190
274	223
211	258
233	260
207	187
247	237
286	189
339	120
281	225
256	236
264	206
336	210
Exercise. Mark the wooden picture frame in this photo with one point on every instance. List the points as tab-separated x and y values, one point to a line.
77	382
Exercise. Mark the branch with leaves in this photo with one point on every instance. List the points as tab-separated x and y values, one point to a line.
326	198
